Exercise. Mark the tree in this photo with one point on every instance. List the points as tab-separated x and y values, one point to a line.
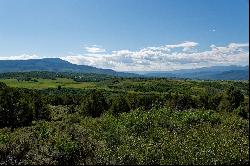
214	101
203	101
181	101
232	99
19	108
94	104
119	105
2	86
41	108
59	87
133	99
16	108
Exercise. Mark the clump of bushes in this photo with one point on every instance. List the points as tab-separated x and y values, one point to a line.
161	136
18	108
119	105
94	104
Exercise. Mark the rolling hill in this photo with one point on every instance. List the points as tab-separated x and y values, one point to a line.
54	65
207	73
58	65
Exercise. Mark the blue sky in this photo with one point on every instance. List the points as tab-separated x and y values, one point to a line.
127	34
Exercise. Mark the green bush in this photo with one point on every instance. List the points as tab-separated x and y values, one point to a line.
160	136
242	111
119	105
232	99
181	101
2	86
18	108
199	117
94	104
111	126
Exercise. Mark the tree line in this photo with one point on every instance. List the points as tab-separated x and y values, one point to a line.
19	107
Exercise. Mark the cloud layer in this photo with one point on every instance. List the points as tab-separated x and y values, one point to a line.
20	57
95	49
166	57
184	55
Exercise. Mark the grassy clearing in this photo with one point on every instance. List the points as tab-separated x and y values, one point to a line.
47	83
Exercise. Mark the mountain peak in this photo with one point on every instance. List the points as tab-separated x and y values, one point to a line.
54	60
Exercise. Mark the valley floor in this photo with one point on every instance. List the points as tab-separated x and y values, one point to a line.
65	121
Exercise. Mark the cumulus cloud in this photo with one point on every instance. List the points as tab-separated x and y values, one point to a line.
186	44
166	57
184	55
94	49
238	45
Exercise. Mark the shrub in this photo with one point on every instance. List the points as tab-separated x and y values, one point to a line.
232	99
2	86
242	111
94	104
18	108
199	117
119	105
182	101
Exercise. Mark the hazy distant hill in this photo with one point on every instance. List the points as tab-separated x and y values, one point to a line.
229	75
214	73
55	65
58	65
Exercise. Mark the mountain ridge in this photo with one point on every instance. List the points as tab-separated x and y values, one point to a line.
55	65
231	72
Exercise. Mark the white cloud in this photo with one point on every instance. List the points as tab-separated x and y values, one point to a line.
166	57
186	44
20	57
238	45
94	49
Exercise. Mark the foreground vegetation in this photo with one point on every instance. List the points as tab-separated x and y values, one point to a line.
124	121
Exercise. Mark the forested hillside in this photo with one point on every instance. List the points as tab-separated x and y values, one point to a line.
57	66
53	65
207	73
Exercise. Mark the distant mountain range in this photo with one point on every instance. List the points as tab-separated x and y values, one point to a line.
59	65
207	73
54	65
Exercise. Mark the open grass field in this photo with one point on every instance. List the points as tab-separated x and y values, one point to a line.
48	83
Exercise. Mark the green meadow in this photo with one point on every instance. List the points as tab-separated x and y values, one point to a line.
47	83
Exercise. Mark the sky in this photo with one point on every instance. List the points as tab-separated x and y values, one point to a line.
127	35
